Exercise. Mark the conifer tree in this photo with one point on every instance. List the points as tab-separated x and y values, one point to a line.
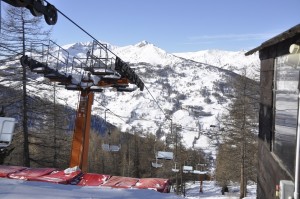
20	33
236	159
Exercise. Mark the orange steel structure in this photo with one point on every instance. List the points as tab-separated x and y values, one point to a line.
102	66
80	143
123	76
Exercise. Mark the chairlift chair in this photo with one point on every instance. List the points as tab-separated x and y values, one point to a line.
187	169
197	172
165	155
115	148
105	147
111	148
156	164
162	155
7	127
176	170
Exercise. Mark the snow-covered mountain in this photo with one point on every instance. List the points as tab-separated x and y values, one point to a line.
147	53
190	92
230	60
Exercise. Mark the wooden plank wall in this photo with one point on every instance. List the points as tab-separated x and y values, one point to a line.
270	171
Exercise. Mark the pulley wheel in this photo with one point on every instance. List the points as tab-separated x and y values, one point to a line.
51	16
23	60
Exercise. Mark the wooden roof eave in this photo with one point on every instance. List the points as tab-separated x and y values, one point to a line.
283	36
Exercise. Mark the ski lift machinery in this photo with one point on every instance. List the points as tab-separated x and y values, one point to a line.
123	75
37	8
97	72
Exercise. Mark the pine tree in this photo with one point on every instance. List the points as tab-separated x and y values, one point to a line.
236	159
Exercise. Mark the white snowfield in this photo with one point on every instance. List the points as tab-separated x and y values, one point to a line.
212	191
16	189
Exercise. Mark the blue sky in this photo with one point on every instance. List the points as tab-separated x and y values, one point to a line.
177	25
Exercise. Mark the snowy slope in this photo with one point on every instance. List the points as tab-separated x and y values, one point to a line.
229	60
211	191
146	52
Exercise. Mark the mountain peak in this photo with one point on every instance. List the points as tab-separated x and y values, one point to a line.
142	43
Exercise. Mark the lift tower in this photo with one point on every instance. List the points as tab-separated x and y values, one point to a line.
98	70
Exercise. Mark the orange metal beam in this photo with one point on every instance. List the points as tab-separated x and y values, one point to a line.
111	82
80	143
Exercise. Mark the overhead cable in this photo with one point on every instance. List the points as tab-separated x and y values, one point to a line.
156	102
120	117
78	26
73	22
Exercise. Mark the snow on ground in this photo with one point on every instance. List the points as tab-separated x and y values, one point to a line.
15	189
212	191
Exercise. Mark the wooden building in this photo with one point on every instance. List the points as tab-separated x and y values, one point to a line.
278	116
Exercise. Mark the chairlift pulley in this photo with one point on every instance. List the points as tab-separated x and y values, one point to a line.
37	8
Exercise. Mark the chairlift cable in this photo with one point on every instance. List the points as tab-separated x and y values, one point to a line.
106	49
121	117
114	55
113	112
73	22
156	101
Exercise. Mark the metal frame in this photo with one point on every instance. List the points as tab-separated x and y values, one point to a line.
123	75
